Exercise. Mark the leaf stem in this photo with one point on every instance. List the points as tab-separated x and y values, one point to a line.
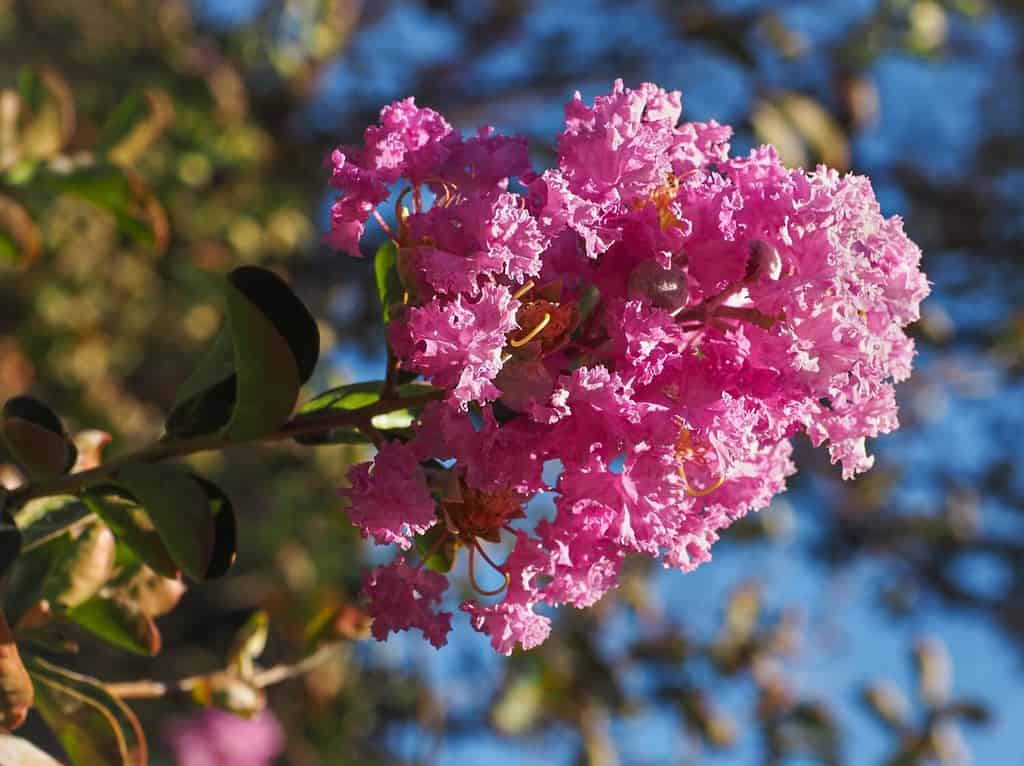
165	449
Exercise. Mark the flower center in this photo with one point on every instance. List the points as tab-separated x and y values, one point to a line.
484	514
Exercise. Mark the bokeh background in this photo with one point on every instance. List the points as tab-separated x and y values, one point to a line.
146	145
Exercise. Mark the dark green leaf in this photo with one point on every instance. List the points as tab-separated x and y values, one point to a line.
248	382
132	526
36	438
178	507
205	400
225	534
119	623
282	307
93	726
389	285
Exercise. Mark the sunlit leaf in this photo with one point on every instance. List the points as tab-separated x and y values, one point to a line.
119	623
389	285
81	568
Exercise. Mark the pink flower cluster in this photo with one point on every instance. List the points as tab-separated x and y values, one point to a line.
652	316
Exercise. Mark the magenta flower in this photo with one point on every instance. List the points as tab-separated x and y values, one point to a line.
217	738
403	597
652	316
389	498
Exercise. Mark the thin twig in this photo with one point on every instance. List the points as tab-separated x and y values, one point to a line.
298	425
147	689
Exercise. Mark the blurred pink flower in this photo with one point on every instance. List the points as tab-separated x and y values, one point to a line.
217	738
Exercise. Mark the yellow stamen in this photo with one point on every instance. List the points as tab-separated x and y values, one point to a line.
686	452
523	290
699	492
517	343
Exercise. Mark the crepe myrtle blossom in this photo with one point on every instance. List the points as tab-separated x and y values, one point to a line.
652	315
217	738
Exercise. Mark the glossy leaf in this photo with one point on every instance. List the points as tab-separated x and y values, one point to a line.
36	438
225	529
50	518
119	623
81	568
132	526
248	382
178	507
93	726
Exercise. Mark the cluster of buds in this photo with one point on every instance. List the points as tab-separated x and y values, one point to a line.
651	320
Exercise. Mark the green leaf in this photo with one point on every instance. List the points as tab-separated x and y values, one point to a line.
389	284
354	396
81	567
205	400
178	507
440	555
36	438
48	518
94	727
268	375
10	541
347	397
132	526
247	384
15	751
225	529
119	623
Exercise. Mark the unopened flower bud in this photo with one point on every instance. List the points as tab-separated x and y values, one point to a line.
764	262
666	288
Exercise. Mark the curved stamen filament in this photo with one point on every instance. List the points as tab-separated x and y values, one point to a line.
384	225
517	343
699	492
686	452
523	290
472	574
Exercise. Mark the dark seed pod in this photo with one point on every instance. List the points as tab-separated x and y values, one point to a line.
665	288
